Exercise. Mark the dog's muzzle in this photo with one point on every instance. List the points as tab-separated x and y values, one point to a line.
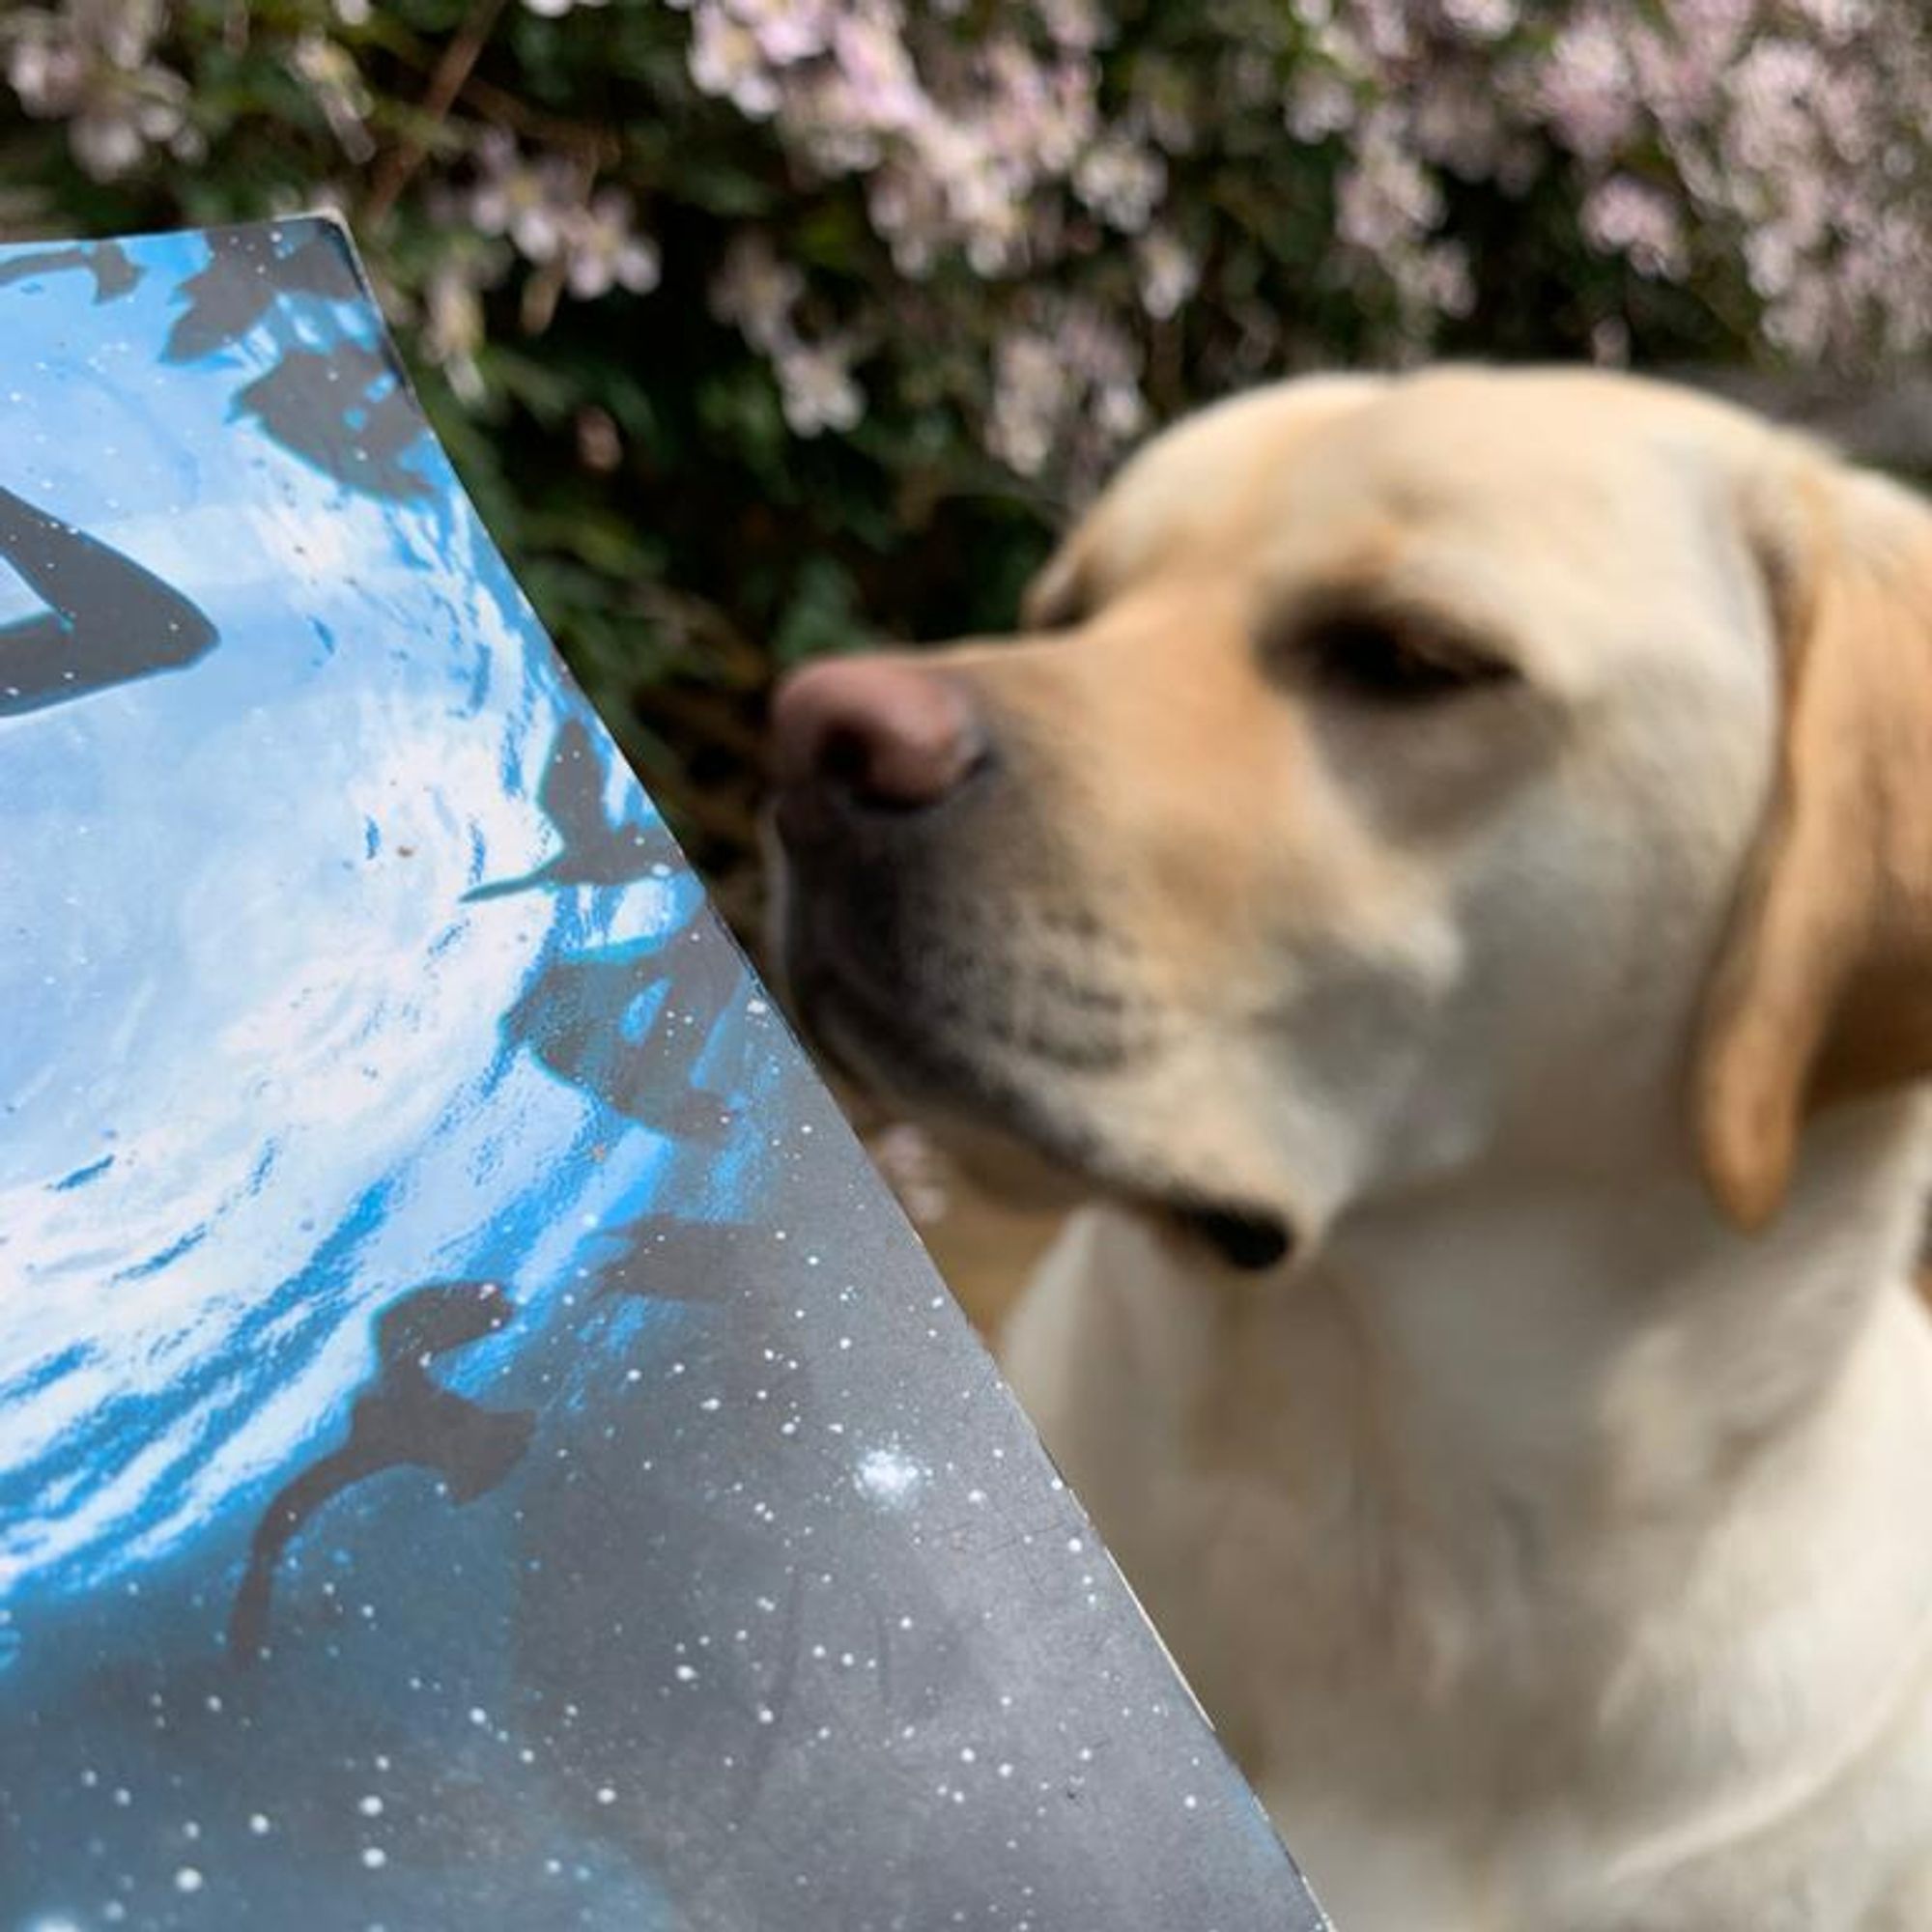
935	946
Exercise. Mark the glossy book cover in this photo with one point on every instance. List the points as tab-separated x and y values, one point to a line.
479	1447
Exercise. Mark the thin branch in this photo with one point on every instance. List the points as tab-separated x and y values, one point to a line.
500	105
452	72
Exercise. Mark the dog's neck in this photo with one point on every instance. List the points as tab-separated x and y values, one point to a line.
1528	1448
1609	1331
1569	1395
1551	1478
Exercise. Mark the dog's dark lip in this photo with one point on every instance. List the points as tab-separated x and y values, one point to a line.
1250	1239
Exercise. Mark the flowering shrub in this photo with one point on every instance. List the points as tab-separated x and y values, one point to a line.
763	327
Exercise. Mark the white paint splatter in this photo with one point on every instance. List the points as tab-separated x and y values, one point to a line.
887	1475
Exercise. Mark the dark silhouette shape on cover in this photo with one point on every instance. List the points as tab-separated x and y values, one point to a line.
403	1418
107	262
575	1017
595	852
108	621
248	272
345	410
578	1013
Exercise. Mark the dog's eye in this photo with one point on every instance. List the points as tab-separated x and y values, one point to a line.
1392	661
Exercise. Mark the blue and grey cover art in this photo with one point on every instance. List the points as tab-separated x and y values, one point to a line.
477	1446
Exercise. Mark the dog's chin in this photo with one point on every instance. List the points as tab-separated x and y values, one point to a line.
1010	1129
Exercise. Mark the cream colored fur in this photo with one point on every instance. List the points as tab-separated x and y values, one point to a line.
1548	1565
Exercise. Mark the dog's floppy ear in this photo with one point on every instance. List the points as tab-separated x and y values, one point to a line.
1823	989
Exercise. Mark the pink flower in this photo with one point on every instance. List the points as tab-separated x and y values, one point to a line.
817	389
1168	273
757	292
1386	198
1122	183
725	60
880	85
1077	26
603	249
532	202
1624	217
453	332
89	65
1319	103
788	31
1585	89
336	85
1029	389
1481	19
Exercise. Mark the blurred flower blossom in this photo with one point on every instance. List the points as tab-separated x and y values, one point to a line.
453	330
1387	199
1168	273
604	250
1633	219
91	65
757	292
816	388
1065	391
788	31
727	61
1483	20
994	149
336	84
1586	87
1077	26
759	295
1319	103
532	202
1030	395
1120	182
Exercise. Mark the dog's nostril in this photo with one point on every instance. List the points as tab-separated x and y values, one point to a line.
846	760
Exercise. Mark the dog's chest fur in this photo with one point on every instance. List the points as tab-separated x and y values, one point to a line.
1508	1636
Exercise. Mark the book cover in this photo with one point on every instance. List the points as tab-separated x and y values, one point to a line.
478	1446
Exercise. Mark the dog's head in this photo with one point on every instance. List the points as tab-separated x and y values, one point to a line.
1395	776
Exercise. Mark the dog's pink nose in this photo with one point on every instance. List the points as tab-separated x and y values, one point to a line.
886	730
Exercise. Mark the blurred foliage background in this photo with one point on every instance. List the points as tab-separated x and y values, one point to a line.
762	328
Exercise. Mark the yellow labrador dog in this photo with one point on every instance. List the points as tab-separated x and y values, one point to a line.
1449	865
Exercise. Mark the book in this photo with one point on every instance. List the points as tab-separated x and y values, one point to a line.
478	1445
